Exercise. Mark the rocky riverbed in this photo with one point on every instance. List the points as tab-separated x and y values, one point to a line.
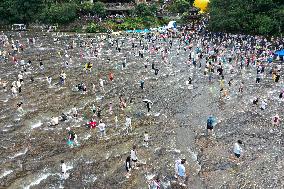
31	149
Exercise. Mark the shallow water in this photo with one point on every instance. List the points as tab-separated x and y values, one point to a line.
5	173
176	123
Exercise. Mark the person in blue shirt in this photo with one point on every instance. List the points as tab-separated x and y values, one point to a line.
211	122
181	173
142	84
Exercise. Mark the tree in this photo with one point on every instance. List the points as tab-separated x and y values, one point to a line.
87	7
16	11
99	9
179	6
143	9
264	17
59	13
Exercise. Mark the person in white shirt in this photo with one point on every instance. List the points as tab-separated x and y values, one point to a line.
49	79
102	84
4	85
20	77
263	104
74	112
116	121
237	149
14	91
94	87
54	121
146	139
128	124
133	155
19	85
102	127
177	162
63	169
62	78
20	108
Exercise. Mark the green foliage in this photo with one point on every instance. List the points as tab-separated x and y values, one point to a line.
142	10
136	23
20	11
154	9
264	17
96	28
59	13
184	18
99	9
87	7
180	6
46	11
116	1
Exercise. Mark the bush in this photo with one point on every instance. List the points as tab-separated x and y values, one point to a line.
96	28
59	13
136	23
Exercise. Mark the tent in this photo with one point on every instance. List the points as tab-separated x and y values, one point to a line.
279	53
172	25
138	31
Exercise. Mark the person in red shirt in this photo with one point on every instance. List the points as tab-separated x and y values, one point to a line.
92	124
110	76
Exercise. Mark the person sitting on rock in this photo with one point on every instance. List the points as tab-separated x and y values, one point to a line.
63	117
74	112
255	101
275	120
237	149
54	121
20	107
79	87
84	88
154	183
92	123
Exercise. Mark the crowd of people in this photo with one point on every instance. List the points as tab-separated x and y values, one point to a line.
216	56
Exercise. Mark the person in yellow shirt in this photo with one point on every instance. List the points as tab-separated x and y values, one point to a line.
89	66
